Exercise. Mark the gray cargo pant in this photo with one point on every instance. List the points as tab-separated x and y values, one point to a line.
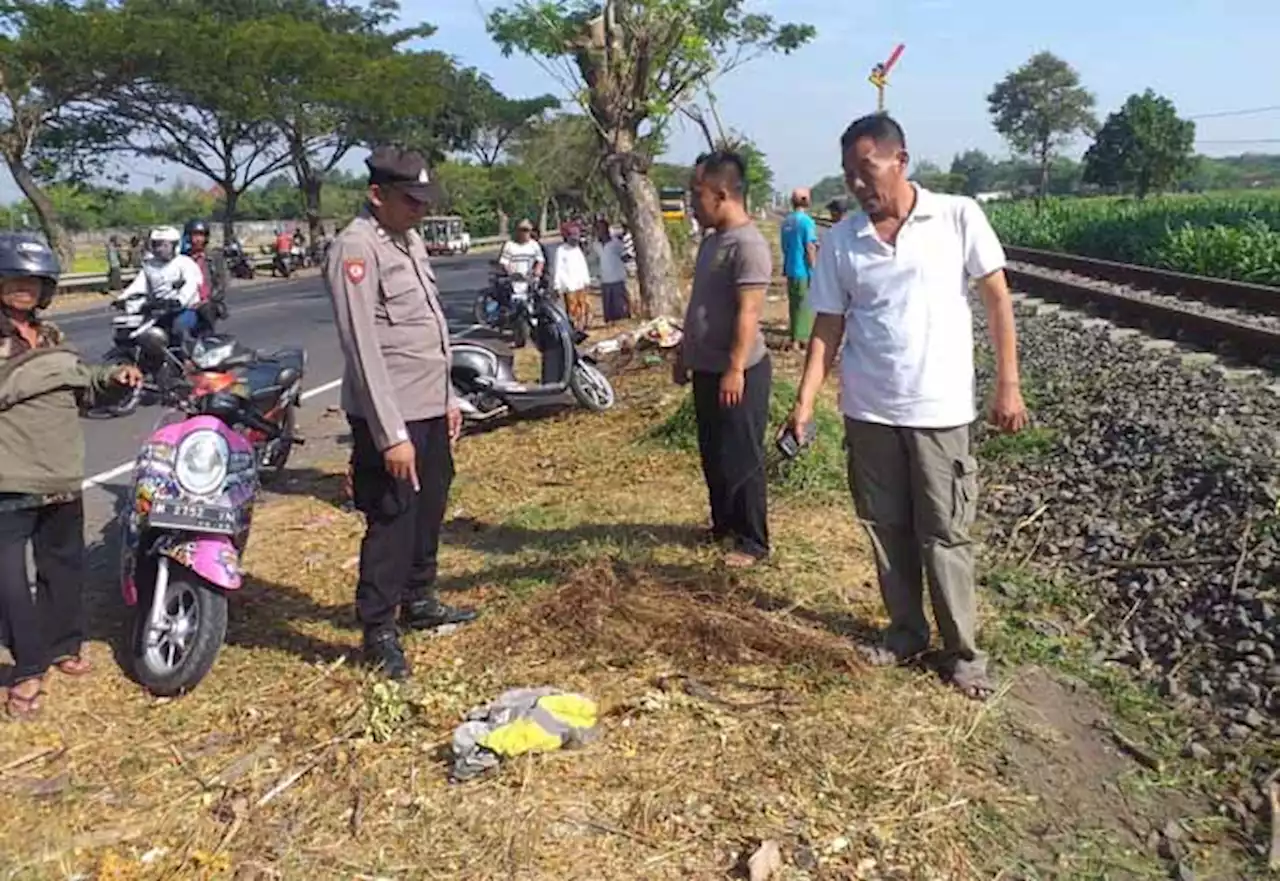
916	492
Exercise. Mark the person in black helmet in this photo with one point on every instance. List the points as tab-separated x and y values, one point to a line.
43	386
211	306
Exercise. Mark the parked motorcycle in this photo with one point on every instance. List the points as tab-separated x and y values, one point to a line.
194	486
237	261
273	383
141	336
483	373
318	253
505	306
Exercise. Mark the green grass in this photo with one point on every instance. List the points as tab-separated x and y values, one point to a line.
1030	443
90	262
819	471
1228	235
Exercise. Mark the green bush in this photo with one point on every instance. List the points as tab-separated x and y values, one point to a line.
819	471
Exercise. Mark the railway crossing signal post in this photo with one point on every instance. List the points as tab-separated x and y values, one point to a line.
880	75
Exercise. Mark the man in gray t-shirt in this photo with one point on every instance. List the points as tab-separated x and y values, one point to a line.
723	352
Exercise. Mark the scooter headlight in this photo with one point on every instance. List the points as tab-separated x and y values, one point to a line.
202	462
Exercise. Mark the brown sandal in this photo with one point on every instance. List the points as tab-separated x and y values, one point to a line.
74	665
24	706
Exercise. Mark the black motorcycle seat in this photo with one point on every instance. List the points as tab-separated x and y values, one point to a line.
239	359
291	357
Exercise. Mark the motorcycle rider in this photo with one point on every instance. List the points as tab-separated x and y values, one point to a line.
168	275
196	234
284	253
213	281
43	386
523	254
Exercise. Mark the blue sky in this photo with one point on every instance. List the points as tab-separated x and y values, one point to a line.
1207	56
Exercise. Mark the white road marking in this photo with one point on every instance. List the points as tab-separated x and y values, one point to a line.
125	468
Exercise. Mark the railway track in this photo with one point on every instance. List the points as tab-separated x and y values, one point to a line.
1230	317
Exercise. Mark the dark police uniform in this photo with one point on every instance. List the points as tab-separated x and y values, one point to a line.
395	388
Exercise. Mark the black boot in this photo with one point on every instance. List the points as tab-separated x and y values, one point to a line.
382	650
427	612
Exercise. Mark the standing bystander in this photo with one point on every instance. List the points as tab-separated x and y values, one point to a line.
837	208
895	278
613	273
399	402
115	274
723	352
43	387
799	252
572	277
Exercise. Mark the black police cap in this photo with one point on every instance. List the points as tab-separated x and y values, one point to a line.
406	170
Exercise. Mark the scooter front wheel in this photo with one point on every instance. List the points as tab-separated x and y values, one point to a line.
172	654
276	453
591	388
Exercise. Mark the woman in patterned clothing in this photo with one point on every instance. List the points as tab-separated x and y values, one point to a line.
43	386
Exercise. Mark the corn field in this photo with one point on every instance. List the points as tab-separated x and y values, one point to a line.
1227	235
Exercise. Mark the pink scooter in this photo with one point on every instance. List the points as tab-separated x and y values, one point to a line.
187	522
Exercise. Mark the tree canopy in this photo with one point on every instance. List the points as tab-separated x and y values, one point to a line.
633	64
1143	147
45	74
1041	108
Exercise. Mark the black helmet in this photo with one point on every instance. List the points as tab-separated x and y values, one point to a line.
23	255
195	226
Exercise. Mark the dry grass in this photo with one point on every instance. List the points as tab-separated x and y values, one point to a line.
735	709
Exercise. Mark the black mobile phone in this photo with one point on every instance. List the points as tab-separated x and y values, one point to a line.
791	446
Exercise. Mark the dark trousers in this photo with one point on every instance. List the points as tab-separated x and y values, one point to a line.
49	626
402	528
731	441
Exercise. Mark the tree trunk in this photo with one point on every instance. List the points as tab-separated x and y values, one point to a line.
544	214
311	199
59	241
659	291
1044	176
230	198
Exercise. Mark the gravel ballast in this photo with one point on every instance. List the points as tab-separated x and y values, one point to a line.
1147	488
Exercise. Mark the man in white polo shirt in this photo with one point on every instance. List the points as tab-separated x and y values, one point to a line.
893	280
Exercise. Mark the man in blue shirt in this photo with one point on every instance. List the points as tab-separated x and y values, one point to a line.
799	254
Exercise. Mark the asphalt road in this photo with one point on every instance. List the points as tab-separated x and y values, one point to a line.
267	315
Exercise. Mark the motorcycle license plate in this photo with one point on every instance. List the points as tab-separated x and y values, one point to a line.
127	321
192	517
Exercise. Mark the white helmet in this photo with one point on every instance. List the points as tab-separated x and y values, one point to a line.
163	242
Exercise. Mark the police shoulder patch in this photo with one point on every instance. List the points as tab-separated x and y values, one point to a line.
354	269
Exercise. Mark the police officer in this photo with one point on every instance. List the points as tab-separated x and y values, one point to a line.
398	400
